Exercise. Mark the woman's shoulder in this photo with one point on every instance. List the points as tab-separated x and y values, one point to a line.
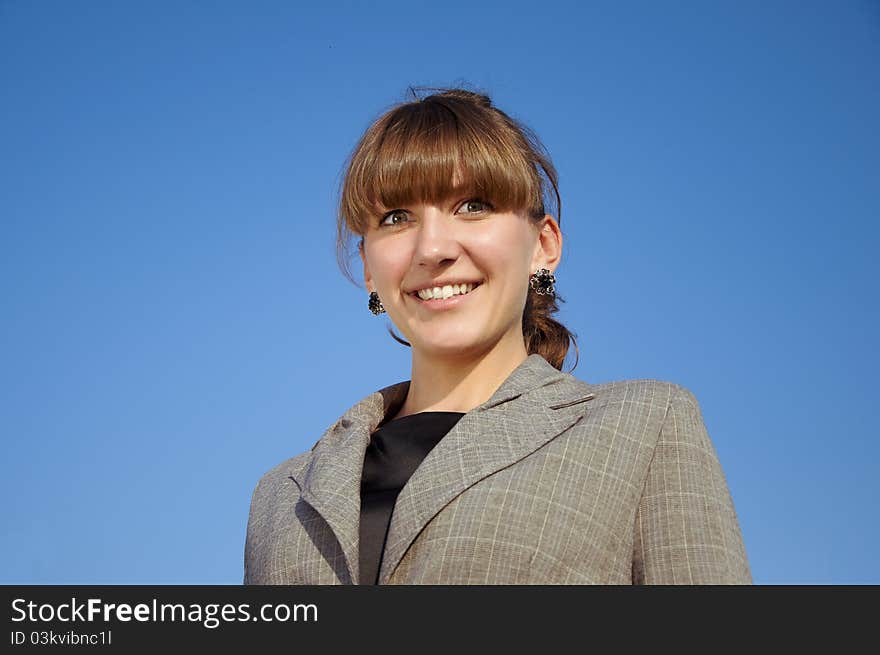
643	391
368	411
659	410
644	402
281	475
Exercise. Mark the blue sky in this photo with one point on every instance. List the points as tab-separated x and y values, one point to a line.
174	323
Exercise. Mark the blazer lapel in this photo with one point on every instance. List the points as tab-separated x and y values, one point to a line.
331	480
535	404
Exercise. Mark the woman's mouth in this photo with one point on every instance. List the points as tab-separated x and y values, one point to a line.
446	297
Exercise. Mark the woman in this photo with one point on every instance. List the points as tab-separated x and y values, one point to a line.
490	465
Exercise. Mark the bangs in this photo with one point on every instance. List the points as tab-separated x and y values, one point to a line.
434	152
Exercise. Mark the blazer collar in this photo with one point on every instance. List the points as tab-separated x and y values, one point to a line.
533	405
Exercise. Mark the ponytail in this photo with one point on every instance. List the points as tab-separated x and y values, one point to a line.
545	335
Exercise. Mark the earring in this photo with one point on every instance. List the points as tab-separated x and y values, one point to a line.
375	304
542	282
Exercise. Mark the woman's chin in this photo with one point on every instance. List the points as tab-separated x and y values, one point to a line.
451	348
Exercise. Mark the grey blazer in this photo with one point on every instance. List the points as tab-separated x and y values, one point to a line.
551	481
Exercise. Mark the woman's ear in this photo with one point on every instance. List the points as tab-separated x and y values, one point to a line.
548	249
368	279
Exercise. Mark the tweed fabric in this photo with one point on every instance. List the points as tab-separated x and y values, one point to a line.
551	481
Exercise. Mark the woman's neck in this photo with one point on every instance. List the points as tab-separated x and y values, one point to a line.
458	385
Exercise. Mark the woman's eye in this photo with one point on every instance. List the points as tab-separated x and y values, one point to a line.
474	206
397	213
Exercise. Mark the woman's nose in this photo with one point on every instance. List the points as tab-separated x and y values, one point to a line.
437	241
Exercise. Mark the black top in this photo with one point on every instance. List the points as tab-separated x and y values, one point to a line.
395	451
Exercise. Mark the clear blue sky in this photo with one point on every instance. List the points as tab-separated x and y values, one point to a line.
173	322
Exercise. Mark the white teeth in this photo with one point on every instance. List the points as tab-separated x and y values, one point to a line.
446	291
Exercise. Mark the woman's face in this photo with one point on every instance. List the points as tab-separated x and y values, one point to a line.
419	247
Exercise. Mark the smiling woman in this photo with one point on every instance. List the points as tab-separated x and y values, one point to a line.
489	465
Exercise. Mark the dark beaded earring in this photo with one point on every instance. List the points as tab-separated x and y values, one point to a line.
542	282
375	304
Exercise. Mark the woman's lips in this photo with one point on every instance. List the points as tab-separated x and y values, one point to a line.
445	303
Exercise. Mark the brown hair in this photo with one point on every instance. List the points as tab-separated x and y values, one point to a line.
428	149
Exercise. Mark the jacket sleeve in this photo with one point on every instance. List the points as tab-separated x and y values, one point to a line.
252	536
686	529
